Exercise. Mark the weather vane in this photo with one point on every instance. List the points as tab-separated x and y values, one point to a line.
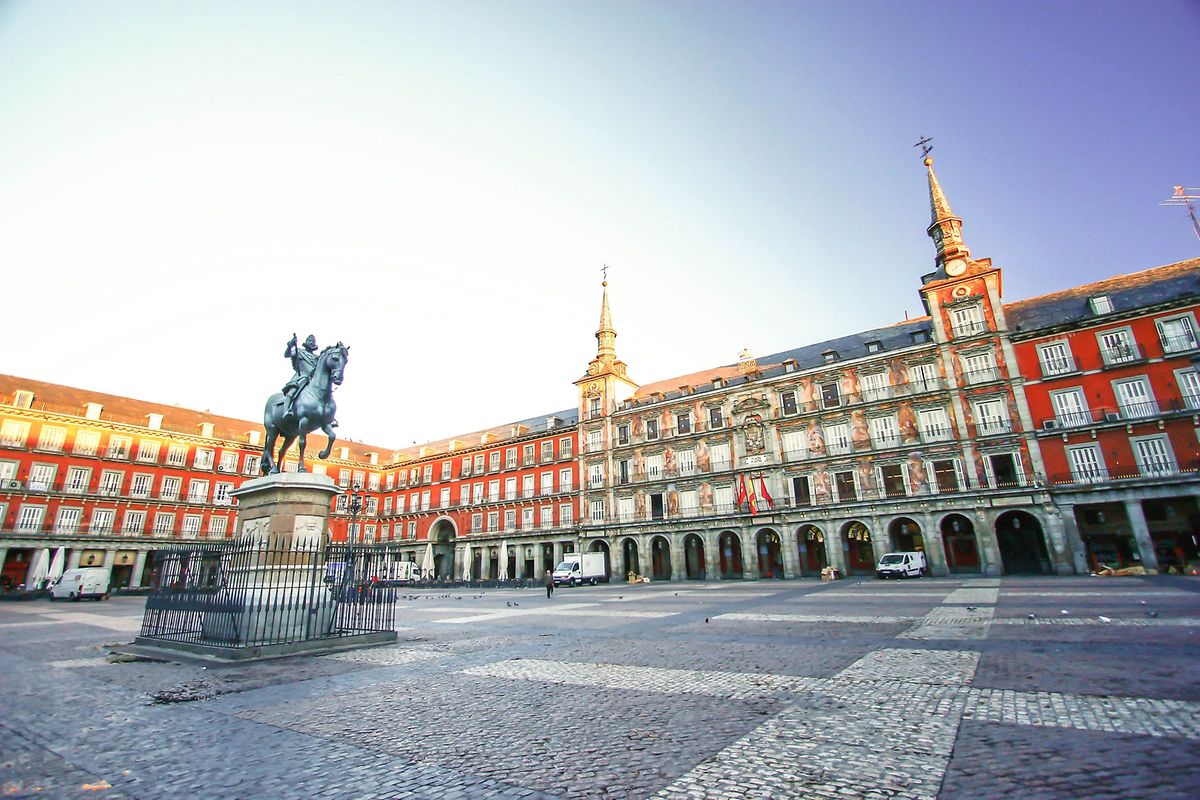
604	270
926	146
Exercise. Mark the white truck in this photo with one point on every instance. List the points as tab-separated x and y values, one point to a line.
901	565
578	568
76	584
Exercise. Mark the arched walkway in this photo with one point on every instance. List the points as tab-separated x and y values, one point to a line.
730	548
599	546
770	559
905	535
629	550
856	542
810	540
442	534
958	539
693	557
660	558
1022	544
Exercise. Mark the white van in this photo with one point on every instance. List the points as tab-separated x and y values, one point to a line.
901	565
76	584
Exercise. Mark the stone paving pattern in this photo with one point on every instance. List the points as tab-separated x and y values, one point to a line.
854	689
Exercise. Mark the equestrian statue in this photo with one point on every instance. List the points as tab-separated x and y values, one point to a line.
306	402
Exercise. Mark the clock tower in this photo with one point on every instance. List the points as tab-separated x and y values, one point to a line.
953	255
606	382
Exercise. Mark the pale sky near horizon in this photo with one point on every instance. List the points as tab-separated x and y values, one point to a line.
183	185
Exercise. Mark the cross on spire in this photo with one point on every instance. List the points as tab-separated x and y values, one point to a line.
604	271
926	145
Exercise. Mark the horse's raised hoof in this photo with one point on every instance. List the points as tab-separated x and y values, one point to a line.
323	454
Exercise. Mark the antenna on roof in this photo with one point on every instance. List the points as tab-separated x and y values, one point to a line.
1183	196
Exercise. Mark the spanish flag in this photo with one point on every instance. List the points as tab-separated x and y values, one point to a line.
752	499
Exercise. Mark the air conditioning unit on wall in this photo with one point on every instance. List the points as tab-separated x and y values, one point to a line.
1049	424
12	484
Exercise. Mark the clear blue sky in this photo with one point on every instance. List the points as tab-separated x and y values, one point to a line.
440	183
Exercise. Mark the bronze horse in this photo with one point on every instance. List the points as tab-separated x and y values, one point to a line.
314	408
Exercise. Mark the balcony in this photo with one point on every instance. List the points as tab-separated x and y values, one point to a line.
937	433
969	328
1142	410
990	426
1179	343
979	376
1122	353
1058	366
1150	469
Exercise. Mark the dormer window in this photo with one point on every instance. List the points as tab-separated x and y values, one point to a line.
874	347
830	356
1101	304
23	399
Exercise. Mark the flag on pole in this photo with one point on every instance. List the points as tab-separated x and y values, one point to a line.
741	500
752	499
766	496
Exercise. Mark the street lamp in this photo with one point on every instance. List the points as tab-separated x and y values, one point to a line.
354	504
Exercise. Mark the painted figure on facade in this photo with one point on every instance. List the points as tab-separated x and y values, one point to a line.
908	423
309	406
816	439
860	434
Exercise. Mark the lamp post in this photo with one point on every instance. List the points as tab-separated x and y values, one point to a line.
354	503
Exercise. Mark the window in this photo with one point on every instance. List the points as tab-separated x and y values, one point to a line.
566	448
683	423
1118	347
229	460
1177	334
250	465
719	456
425	498
625	509
884	432
594	407
494	461
217	526
837	439
830	395
14	434
510	488
651	429
564	480
716	418
624	471
110	482
830	356
979	367
1087	464
787	401
388	504
991	417
1070	408
893	481
176	455
477	493
846	490
1189	388
547	452
595	441
547	483
493	520
874	347
527	518
477	468
29	518
412	529
77	480
67	520
1055	359
946	475
163	523
923	377
1134	398
197	491
685	462
935	424
41	477
510	519
444	497
527	486
134	523
967	320
510	459
372	480
494	490
622	435
191	526
527	455
52	439
102	520
546	516
1101	304
170	488
795	445
596	510
1153	455
801	491
86	443
874	385
401	502
1005	469
464	468
203	459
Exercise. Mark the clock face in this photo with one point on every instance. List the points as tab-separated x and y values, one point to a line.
956	267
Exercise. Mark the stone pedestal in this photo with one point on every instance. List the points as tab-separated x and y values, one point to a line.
288	511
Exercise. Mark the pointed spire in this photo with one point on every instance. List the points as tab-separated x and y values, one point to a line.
606	337
945	229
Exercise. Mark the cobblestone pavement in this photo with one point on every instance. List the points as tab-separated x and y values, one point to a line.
967	688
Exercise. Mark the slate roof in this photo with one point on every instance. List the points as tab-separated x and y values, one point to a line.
1136	290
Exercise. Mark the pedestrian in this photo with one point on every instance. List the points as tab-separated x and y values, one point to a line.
549	581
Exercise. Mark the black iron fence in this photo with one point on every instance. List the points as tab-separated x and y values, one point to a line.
243	593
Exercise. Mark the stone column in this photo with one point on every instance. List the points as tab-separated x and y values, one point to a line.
835	546
73	559
678	558
935	548
3	556
749	555
985	539
1141	533
139	566
712	556
1077	552
879	539
790	551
